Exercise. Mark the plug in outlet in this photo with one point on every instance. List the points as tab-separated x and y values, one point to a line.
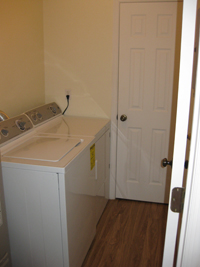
68	92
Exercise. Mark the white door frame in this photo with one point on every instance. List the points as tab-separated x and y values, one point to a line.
191	219
182	116
188	254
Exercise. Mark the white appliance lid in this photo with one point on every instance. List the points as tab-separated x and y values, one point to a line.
73	126
44	148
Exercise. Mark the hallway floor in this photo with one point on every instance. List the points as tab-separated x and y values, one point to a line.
129	234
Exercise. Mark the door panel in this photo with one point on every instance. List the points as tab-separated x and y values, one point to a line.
146	68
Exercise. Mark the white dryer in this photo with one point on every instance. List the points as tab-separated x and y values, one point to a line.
72	126
50	192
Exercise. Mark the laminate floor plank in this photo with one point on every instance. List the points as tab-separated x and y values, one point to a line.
129	233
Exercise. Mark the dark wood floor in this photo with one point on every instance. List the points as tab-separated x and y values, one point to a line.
129	234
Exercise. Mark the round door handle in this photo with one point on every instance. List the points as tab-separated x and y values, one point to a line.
166	162
123	117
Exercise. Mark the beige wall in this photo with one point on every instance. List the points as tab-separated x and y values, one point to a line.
78	55
21	55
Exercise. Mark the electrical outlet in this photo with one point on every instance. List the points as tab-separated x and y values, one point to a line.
68	92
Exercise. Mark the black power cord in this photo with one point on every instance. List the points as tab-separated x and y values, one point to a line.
67	96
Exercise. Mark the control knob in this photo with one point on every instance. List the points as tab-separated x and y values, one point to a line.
34	116
21	124
4	132
53	109
39	115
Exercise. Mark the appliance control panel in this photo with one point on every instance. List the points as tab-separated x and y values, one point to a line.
43	113
14	127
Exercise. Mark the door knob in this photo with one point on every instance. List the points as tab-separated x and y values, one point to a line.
166	162
123	117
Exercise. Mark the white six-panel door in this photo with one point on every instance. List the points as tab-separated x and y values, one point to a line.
146	68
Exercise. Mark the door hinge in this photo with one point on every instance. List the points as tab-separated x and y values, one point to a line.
177	199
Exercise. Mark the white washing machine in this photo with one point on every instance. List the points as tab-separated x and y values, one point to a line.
72	126
50	184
